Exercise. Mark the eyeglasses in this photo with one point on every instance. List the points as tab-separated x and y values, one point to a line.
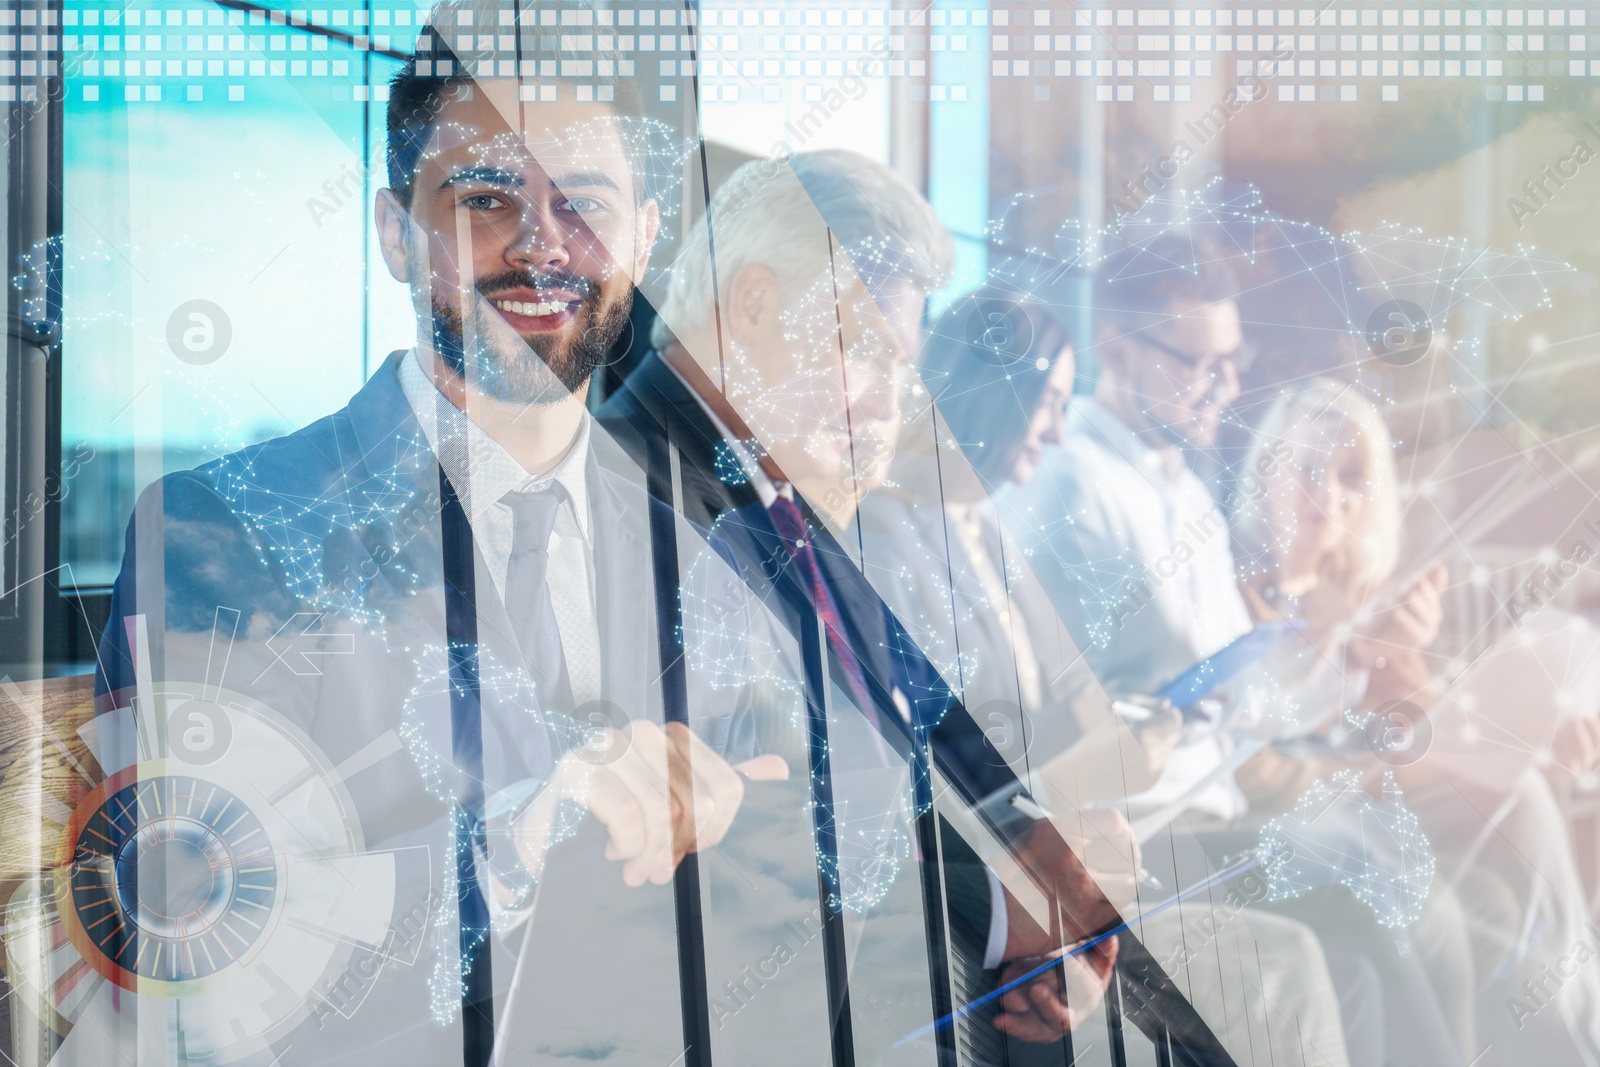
1241	357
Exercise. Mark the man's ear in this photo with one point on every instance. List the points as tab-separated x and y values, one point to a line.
394	222
648	226
753	303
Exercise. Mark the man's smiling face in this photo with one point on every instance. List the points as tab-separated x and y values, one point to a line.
523	247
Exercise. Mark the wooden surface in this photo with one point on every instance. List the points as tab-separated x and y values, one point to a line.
45	769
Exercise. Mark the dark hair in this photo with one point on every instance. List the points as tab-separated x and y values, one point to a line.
1137	286
422	86
415	101
986	361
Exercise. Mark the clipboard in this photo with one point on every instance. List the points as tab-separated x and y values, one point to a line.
1202	679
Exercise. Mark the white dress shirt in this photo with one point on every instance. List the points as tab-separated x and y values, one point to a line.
482	473
1135	553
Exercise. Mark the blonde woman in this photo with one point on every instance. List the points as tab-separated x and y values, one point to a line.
1317	522
1317	528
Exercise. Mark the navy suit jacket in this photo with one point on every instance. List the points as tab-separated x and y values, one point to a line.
654	409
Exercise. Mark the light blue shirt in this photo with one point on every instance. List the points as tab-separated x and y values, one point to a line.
1135	553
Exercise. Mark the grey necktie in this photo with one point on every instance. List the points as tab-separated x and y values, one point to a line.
533	516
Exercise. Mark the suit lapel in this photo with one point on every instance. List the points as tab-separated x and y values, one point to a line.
396	460
768	566
668	401
661	393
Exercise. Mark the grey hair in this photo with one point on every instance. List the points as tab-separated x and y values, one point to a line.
760	216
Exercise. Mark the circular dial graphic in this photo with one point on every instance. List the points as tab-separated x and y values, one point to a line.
173	878
211	887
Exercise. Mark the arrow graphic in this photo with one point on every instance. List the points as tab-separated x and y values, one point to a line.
295	643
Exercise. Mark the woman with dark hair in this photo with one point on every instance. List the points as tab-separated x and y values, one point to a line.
996	376
1000	373
1000	370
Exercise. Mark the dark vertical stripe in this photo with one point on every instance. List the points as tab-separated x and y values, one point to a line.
1113	1002
366	198
933	916
693	992
466	743
835	965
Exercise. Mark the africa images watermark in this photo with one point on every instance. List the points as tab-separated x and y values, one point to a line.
1545	187
1251	488
854	884
55	488
337	192
1198	932
1539	991
849	87
341	995
1548	579
738	994
1152	179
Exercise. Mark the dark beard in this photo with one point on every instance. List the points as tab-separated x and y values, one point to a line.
545	369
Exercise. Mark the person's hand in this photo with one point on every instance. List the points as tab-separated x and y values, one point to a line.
1115	756
1576	748
1330	604
664	795
1088	872
1158	739
1059	1000
1412	624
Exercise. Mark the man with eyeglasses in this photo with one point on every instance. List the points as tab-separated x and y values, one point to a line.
1133	549
1124	535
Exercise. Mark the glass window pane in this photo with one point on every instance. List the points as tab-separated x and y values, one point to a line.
214	259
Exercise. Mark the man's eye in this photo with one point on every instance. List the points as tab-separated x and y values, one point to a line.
583	205
481	201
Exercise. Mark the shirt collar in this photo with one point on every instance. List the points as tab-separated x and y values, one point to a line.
1090	417
481	470
767	488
